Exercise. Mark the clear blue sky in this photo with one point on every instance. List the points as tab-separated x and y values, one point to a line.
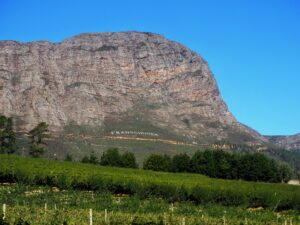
252	46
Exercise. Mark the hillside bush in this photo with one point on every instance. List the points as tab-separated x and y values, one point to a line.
158	163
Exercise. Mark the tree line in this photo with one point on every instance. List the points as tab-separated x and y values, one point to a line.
111	157
221	164
213	163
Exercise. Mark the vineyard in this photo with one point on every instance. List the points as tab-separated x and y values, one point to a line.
46	205
53	192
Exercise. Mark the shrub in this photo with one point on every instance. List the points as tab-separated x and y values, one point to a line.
158	163
201	195
128	160
181	163
111	157
69	158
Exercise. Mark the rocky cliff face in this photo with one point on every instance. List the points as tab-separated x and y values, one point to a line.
291	142
104	79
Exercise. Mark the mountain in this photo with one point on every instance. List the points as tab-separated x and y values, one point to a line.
138	83
291	142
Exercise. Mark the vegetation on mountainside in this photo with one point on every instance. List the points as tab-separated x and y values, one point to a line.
37	136
219	164
173	187
7	136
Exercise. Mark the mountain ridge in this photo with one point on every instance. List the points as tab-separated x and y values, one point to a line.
139	79
289	142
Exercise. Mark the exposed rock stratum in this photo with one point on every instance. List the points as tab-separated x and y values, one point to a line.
141	81
291	142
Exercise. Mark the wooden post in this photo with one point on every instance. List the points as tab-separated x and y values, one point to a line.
172	207
45	207
4	211
224	220
55	207
105	216
91	217
246	221
183	221
165	219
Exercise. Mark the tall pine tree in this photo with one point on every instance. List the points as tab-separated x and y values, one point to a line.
7	136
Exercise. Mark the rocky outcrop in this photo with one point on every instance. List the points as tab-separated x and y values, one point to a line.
291	142
101	78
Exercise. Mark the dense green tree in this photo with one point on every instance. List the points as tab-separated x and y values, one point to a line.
181	163
209	163
222	165
257	167
85	159
128	160
234	161
111	157
93	159
38	134
252	167
68	158
37	138
198	162
158	163
7	136
284	173
36	151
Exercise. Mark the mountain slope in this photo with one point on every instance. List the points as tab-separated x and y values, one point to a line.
291	142
128	83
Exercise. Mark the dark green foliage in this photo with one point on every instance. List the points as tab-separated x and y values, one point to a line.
158	163
39	133
3	221
37	137
291	157
20	221
251	167
181	163
257	167
222	165
7	136
128	160
85	159
203	162
36	151
141	221
284	173
111	157
69	158
93	159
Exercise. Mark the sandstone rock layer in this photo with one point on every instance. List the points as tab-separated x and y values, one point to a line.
100	78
